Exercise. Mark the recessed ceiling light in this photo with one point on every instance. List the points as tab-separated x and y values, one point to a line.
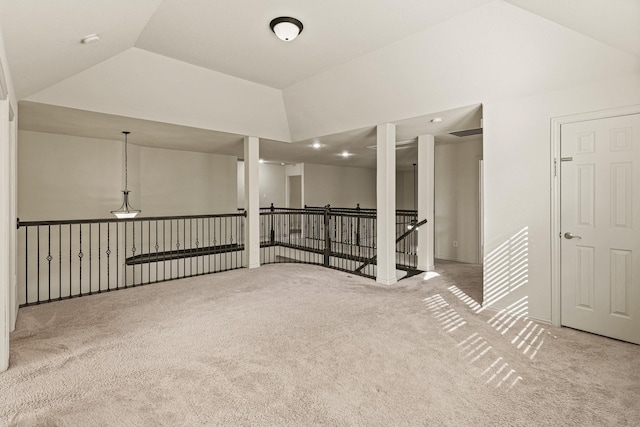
261	160
436	120
90	39
317	145
346	154
286	28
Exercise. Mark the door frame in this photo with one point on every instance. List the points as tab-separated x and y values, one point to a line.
556	134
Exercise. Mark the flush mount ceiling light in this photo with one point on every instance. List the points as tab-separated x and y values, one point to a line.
286	28
317	145
125	211
346	154
90	39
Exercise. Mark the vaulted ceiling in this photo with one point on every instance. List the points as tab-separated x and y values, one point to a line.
43	46
233	37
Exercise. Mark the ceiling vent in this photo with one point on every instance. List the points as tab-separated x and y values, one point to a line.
467	132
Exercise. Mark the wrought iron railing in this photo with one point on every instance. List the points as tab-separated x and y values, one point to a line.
312	236
64	259
340	238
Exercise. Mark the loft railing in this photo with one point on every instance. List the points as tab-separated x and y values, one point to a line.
335	240
340	238
64	259
411	231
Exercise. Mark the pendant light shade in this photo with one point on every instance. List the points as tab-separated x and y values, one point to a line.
286	28
125	211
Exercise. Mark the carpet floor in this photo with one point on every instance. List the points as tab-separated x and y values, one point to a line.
302	345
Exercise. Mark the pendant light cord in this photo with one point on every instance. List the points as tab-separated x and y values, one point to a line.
126	171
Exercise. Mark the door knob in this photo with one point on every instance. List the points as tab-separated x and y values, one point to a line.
570	236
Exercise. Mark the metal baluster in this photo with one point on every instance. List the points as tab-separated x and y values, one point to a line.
133	252
59	261
157	247
49	258
164	240
118	252
140	260
38	260
124	268
100	257
70	258
109	256
90	246
149	251
80	255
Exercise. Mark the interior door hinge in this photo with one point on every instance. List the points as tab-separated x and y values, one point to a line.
555	167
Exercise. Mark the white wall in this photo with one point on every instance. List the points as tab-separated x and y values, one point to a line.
404	190
339	186
144	85
272	185
66	177
186	183
517	173
457	200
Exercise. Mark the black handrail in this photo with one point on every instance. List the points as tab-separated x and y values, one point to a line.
136	219
398	240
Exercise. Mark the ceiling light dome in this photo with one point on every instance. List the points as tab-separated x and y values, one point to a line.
286	28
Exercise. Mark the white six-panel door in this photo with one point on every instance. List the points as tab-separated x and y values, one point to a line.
600	226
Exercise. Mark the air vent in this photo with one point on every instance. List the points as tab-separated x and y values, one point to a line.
467	132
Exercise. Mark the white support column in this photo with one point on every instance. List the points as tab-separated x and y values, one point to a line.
426	201
252	201
386	204
5	230
13	186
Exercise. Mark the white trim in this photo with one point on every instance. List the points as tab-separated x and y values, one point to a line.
480	211
495	310
5	231
556	130
13	235
4	92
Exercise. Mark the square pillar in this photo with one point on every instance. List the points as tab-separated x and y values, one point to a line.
426	201
386	204
5	231
252	202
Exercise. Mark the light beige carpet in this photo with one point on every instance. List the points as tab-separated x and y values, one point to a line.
302	345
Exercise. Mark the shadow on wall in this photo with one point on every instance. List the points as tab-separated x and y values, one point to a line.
506	268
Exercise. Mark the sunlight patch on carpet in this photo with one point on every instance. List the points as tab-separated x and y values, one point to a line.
473	347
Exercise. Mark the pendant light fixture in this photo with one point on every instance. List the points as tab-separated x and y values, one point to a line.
286	28
125	211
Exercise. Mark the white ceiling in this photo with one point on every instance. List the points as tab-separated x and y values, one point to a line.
234	37
38	117
43	46
42	40
613	22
